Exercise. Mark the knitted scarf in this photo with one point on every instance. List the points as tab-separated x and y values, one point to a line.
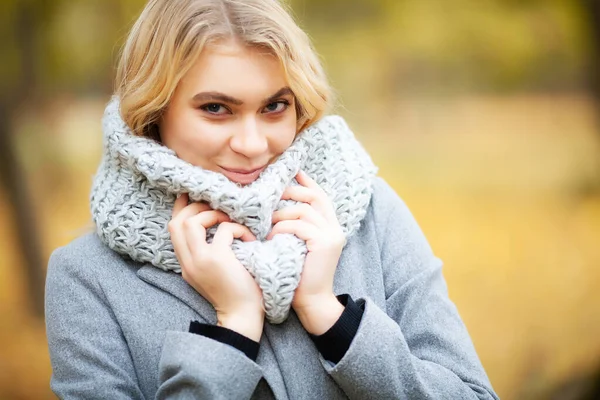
138	180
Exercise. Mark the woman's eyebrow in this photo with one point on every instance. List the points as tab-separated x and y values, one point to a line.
222	97
216	96
281	92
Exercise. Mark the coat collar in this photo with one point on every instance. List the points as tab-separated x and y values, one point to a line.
175	285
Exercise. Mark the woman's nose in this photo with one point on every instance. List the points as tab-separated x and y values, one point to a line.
249	141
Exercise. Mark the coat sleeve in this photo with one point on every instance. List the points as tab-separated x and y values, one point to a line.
91	359
417	347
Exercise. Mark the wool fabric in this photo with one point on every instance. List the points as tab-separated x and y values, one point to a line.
139	179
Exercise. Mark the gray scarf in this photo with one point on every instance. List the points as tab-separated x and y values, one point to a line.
139	179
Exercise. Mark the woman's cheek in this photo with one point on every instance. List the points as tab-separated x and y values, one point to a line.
195	141
283	135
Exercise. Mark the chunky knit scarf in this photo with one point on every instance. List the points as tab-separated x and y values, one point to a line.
139	179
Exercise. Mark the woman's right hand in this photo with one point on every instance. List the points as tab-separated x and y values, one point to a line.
213	270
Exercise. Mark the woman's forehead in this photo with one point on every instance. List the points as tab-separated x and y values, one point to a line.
247	73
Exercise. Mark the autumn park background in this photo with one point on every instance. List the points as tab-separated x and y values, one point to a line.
483	115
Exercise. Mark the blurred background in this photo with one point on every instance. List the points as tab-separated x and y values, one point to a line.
482	114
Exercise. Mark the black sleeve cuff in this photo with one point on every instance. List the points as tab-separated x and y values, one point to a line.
224	335
334	343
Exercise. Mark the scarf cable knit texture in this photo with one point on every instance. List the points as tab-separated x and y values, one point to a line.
138	180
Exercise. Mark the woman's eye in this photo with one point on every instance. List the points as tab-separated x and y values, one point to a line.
215	108
276	107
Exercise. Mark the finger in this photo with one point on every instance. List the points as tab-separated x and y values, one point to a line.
177	223
180	203
302	211
306	181
180	245
303	230
182	210
228	231
316	198
181	214
195	230
299	193
195	238
206	219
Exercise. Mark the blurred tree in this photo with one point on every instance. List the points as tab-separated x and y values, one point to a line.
581	387
49	48
23	22
593	12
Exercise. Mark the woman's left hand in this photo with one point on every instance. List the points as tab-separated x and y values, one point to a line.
313	220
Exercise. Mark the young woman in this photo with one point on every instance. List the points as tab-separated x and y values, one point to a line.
244	246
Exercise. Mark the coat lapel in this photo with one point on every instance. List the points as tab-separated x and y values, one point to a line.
175	285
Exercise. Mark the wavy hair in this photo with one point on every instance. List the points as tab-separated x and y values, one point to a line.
169	35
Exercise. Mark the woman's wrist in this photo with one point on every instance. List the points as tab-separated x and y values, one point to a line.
320	314
249	324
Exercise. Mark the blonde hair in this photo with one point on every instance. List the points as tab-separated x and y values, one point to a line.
169	35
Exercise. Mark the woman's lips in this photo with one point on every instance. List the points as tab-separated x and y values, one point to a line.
241	176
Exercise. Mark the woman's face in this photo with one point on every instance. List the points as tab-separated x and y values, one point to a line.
232	113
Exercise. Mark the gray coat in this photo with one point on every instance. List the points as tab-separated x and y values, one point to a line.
118	329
